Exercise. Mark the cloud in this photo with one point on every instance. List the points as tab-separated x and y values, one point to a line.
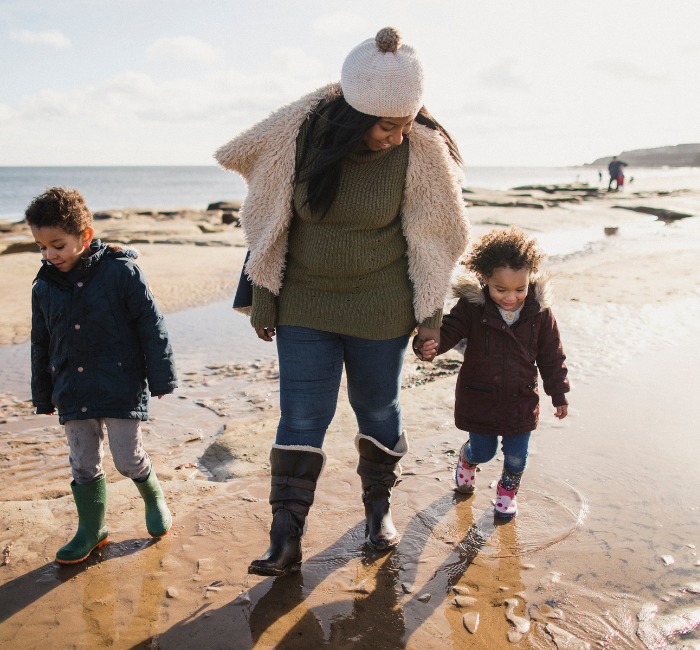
184	48
50	37
626	71
135	98
501	75
341	22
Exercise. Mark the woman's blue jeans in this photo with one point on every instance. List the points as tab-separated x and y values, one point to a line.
311	367
481	449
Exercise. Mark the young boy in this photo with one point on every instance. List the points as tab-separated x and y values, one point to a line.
98	344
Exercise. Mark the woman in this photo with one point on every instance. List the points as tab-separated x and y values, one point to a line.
355	220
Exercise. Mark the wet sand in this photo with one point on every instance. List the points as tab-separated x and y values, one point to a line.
608	492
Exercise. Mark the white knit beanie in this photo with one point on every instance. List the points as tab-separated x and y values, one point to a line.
383	77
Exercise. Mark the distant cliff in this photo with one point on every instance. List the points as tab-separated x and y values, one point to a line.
682	155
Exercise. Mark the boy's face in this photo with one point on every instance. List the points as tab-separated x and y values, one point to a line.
508	287
60	248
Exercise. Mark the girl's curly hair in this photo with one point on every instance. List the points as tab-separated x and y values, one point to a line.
509	248
60	207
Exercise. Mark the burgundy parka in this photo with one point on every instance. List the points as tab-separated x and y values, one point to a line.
497	387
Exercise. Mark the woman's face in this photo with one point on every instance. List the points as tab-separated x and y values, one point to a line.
387	132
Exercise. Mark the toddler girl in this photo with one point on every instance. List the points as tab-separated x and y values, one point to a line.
504	313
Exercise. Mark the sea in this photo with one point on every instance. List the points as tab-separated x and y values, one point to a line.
165	188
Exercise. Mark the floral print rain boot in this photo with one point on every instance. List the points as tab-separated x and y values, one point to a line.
506	491
465	474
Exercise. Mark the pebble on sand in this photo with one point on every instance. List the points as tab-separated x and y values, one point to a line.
461	591
471	622
514	636
171	592
668	559
693	587
424	598
360	587
522	625
464	601
407	588
647	612
243	599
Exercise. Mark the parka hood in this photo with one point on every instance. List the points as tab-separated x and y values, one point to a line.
469	287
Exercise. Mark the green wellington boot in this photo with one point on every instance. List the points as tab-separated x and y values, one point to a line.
158	518
91	502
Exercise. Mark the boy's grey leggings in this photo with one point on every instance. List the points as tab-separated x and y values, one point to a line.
85	438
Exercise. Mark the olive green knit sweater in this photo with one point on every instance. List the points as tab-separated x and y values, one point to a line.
349	272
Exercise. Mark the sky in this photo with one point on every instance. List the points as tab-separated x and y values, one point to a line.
516	82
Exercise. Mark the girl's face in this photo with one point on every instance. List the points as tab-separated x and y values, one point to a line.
60	248
508	287
387	132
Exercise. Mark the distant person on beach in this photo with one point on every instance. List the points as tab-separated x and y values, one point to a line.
504	313
353	237
98	345
616	174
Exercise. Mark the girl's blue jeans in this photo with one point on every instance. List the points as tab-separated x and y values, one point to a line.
311	367
481	449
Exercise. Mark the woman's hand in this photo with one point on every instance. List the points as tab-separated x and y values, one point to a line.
562	412
265	333
426	343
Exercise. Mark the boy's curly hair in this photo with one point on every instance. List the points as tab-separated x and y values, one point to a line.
59	207
509	248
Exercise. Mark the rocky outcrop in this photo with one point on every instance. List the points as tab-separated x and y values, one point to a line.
681	155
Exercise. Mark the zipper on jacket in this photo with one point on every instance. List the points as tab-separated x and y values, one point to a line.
478	389
486	342
532	336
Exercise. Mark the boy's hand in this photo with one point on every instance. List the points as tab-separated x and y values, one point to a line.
265	333
561	412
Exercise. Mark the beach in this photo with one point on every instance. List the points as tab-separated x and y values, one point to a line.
603	553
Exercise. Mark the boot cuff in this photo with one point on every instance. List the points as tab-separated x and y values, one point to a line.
314	450
399	450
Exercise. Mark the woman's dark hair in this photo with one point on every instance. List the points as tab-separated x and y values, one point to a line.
335	130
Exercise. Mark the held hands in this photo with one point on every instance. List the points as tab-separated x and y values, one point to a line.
562	412
265	333
426	343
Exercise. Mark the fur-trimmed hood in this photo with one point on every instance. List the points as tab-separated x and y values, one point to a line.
433	213
469	287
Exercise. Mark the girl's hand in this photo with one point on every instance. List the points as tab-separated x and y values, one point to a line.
426	343
561	412
265	333
427	351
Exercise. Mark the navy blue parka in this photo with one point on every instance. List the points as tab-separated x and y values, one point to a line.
98	343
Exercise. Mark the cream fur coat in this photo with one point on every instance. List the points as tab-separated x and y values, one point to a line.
433	214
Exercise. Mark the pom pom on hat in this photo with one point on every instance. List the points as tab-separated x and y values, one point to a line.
383	76
388	39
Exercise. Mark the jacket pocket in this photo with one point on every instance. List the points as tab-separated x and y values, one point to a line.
479	405
61	396
121	384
